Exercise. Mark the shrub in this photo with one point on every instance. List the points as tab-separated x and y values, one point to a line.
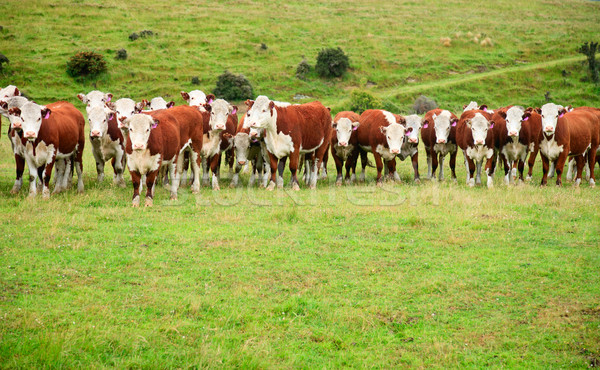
146	33
134	36
589	50
86	63
121	54
332	62
3	59
423	104
302	70
233	87
360	101
195	80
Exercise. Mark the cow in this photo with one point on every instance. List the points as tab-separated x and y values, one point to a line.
575	134
123	109
51	133
15	134
107	143
571	170
197	98
9	91
381	133
153	142
476	139
516	133
220	125
439	138
253	150
94	98
291	131
410	147
344	144
158	103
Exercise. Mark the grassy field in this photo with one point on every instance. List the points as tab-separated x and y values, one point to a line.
429	275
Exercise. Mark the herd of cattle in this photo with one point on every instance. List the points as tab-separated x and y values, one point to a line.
161	143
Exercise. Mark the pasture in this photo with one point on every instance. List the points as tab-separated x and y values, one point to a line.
428	275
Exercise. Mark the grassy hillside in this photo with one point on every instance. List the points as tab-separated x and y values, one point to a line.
429	275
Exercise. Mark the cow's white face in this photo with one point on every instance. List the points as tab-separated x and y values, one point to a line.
125	108
241	143
442	125
479	126
514	119
160	103
260	115
219	112
9	91
344	128
139	127
394	136
94	98
471	106
195	98
550	115
31	115
413	127
11	102
98	118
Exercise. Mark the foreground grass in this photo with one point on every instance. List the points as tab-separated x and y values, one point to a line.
435	274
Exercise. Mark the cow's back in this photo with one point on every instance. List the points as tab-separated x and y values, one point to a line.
582	125
352	116
367	119
308	124
67	126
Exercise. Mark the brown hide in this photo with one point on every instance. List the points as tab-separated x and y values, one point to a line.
309	125
428	133
164	138
464	136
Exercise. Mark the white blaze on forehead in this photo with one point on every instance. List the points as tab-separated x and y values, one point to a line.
343	129
98	119
95	98
158	103
442	125
514	119
197	98
31	115
550	116
394	135
139	130
219	112
389	117
471	106
259	115
479	128
125	108
9	91
413	121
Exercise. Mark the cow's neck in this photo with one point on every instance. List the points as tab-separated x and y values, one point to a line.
278	143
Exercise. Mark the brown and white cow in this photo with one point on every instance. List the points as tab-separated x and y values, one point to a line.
574	134
51	133
107	142
123	109
158	103
220	125
410	147
15	134
94	98
381	133
250	150
153	141
197	98
474	135
517	133
439	138
291	131
8	92
572	171
344	144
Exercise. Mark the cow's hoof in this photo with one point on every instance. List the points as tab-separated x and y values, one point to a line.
379	184
135	202
528	178
339	183
271	186
592	183
148	202
296	187
417	181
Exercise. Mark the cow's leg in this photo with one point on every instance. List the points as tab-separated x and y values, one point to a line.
175	173
429	154
236	176
580	163
386	170
391	166
33	176
468	168
591	163
478	174
502	158
20	168
294	161
363	162
205	162
489	170
229	158
531	163
60	176
521	168
570	169
323	165
545	170
280	169
151	178
274	163
195	162
470	171
339	166
186	165
135	181
434	164
77	162
214	168
119	167
379	164
99	166
351	165
45	175
559	166
415	164
453	163
440	163
552	169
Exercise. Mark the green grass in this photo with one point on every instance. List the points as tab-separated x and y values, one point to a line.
430	275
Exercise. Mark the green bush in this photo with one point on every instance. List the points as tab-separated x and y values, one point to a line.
332	62
86	64
360	101
302	70
233	87
3	59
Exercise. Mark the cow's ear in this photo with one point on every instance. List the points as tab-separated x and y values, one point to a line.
83	98
234	109
401	120
111	106
170	104
468	123
464	106
538	110
333	124
425	122
155	124
185	96
526	115
46	112
355	125
108	97
249	103
483	107
408	131
17	92
383	129
208	107
145	103
329	109
491	124
227	135
3	104
569	108
14	111
453	121
502	114
271	105
561	112
210	98
141	105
